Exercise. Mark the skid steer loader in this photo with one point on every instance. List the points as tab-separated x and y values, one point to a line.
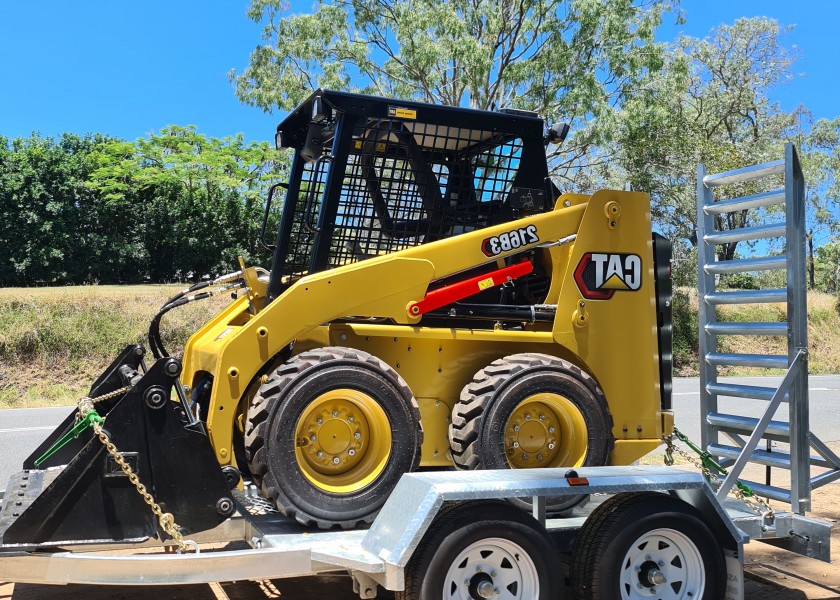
433	302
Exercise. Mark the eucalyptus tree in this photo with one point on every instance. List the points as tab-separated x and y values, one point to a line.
572	60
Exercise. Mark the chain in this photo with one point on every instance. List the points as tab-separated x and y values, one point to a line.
89	402
711	470
166	520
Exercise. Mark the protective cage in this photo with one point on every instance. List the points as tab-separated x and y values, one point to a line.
370	177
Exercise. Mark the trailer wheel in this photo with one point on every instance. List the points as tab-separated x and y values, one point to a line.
531	410
483	550
330	433
647	545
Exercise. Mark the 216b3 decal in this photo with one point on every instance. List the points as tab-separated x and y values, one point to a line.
599	275
510	240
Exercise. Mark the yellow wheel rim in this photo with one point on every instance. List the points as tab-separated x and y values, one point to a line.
342	441
546	430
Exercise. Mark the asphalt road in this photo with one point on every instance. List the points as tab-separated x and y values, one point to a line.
22	429
823	393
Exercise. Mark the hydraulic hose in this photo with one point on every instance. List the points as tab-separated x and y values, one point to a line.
234	280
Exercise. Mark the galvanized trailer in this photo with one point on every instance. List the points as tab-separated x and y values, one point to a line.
275	547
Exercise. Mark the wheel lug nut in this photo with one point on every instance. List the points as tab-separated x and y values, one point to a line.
319	420
542	417
516	427
336	460
350	419
466	582
551	446
320	454
527	416
478	568
524	457
312	438
357	435
335	413
351	452
539	457
551	430
661	563
492	573
516	444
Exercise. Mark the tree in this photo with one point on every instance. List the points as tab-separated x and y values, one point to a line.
53	228
821	169
709	104
574	60
202	197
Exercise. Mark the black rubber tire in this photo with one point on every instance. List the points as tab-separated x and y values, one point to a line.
458	526
610	532
476	435
270	436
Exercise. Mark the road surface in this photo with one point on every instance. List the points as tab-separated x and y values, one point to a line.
22	429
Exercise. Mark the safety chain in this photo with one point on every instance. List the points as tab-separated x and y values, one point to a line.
87	412
711	469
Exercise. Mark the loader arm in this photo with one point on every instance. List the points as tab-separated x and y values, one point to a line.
234	349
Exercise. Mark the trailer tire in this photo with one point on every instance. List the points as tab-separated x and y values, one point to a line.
571	424
330	433
654	533
477	542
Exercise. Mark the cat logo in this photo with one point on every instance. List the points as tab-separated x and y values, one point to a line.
600	275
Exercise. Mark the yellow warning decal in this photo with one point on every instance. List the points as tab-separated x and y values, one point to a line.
485	283
380	147
357	144
402	113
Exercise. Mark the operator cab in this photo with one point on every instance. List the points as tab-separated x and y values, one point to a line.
371	176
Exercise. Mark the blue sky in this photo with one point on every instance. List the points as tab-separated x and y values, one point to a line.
130	68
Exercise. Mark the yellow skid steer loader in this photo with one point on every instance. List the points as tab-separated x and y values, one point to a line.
433	302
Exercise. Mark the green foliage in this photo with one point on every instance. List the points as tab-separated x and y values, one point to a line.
742	281
85	209
709	104
685	322
53	228
827	268
202	197
575	60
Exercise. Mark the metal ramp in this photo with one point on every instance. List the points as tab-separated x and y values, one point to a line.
788	444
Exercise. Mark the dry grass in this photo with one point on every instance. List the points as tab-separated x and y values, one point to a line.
823	334
55	341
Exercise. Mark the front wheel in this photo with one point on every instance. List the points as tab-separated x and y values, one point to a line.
647	545
483	550
329	435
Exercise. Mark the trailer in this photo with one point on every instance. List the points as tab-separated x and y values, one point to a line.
649	532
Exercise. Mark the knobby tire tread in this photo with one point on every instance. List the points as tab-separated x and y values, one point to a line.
258	422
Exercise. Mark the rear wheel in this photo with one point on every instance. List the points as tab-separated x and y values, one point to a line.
483	550
531	410
647	545
330	433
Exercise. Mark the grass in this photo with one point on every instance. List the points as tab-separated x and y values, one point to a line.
55	341
823	334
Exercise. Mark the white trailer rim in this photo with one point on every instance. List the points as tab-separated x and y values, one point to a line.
663	564
502	563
